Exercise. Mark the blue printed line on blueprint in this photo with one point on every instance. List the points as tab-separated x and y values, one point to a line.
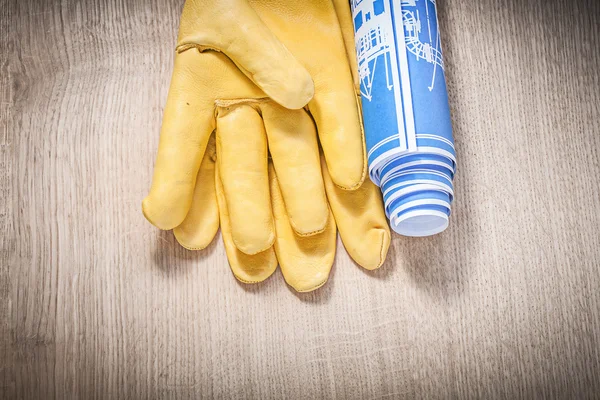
405	108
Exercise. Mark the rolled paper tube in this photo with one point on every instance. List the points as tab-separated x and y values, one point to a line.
405	108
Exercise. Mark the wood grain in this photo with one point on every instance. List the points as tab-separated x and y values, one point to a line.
95	303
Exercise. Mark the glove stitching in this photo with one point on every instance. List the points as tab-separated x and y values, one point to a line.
310	233
313	288
246	281
381	255
257	252
362	135
224	103
192	248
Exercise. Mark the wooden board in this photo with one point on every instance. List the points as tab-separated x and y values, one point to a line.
96	303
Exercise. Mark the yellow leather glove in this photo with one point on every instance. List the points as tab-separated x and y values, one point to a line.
305	261
233	52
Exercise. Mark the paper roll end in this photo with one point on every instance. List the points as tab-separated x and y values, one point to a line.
420	223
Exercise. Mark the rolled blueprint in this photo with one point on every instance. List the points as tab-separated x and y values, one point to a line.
405	109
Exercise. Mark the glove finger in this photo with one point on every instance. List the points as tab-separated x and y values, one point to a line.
202	221
305	261
234	28
242	159
344	14
335	109
187	125
361	220
295	152
246	268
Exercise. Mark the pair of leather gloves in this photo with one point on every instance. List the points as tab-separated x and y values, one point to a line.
262	135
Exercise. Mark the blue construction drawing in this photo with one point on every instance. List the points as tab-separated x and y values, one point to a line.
373	41
401	70
408	131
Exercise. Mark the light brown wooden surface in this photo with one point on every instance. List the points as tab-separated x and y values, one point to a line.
96	303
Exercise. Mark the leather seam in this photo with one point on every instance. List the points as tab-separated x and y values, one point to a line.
191	248
223	103
319	285
381	257
258	252
246	281
362	136
310	233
